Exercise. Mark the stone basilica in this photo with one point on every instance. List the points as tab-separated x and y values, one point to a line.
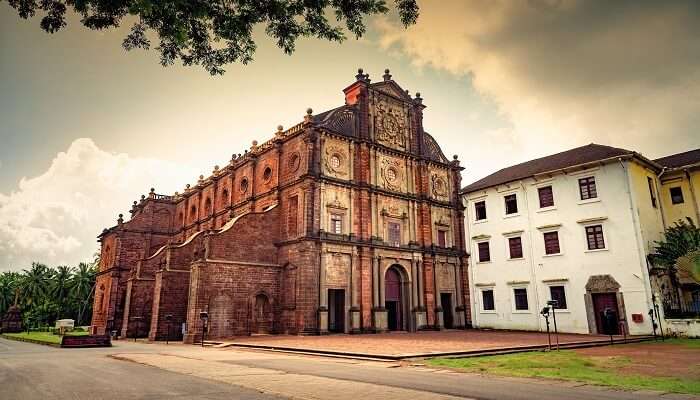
349	221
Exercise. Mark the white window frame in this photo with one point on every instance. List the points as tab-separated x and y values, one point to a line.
561	245
550	183
510	235
512	296
503	204
566	295
585	236
589	173
476	250
481	300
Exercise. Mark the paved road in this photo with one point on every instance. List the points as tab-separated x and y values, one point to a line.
29	371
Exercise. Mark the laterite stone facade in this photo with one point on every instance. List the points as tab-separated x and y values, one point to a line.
350	221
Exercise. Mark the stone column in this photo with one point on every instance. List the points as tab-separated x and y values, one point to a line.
322	298
459	315
379	312
354	285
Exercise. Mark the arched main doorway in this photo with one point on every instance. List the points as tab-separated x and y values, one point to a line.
262	314
395	300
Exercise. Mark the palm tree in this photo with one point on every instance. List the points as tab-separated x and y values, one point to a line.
60	287
35	284
9	283
679	240
82	287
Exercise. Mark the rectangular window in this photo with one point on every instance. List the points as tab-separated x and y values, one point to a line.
511	204
650	183
520	296
559	294
515	245
676	195
484	253
487	300
480	210
587	188
594	236
337	224
551	243
546	196
442	238
394	229
293	216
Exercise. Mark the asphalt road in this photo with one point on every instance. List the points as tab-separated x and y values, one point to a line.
29	371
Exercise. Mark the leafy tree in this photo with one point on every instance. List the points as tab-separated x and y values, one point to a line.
679	240
214	33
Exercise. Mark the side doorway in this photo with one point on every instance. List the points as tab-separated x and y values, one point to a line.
447	316
336	310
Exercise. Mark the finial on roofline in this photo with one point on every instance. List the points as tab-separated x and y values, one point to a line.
387	75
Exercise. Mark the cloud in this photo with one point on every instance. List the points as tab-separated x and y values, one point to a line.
565	73
55	217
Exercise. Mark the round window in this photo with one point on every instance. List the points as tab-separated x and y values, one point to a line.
391	175
244	185
267	174
294	162
335	161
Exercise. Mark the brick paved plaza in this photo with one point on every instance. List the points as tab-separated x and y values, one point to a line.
399	343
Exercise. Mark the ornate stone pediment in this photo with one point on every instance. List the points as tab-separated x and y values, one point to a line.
392	89
336	203
602	283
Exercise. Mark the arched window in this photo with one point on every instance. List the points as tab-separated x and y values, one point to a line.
193	213
207	206
224	197
267	174
244	185
180	219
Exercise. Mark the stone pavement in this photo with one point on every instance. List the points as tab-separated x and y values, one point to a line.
211	365
413	344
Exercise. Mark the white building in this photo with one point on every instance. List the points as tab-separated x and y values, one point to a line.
575	227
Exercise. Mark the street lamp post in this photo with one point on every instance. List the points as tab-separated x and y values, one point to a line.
553	305
545	314
168	318
204	316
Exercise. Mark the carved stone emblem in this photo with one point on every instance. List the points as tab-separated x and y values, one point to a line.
392	174
439	186
390	125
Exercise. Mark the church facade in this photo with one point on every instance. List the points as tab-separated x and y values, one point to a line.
349	221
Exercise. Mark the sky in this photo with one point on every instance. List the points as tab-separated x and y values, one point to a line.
86	127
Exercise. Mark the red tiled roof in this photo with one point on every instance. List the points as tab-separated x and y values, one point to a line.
569	158
681	159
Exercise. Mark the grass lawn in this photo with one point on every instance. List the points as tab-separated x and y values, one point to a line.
571	366
46	337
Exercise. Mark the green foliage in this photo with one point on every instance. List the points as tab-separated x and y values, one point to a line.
45	294
571	366
215	33
679	240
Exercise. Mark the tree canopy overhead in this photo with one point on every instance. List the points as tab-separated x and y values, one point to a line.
218	32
